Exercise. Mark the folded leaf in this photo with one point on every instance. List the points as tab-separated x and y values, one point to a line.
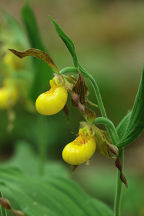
122	127
134	122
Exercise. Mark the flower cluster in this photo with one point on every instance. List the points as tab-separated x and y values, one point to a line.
54	100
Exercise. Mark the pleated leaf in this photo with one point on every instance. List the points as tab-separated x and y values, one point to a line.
122	127
133	123
53	196
27	161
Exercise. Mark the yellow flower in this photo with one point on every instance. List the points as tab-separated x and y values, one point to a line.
52	101
8	97
81	149
13	61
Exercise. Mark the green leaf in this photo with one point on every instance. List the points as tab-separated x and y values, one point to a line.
135	120
101	184
68	42
121	128
32	27
102	209
27	161
53	196
43	73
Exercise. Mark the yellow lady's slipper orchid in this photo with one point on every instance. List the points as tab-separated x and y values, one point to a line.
81	149
8	97
52	101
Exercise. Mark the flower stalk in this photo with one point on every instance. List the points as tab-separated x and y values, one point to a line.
117	202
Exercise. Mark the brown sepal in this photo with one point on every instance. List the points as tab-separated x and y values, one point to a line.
38	54
6	204
79	95
112	148
118	164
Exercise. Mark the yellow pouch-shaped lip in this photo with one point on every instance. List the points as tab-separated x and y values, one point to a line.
80	150
52	101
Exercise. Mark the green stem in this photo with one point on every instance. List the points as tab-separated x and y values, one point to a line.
109	124
117	203
68	70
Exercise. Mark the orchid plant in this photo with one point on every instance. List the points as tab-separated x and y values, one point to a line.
111	142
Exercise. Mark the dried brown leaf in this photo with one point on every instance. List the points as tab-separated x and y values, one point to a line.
118	164
79	98
6	204
38	54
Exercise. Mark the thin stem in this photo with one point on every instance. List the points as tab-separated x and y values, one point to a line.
117	203
68	69
109	124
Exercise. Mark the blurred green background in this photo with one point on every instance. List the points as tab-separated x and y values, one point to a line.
109	39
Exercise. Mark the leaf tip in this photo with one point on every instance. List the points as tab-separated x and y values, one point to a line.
15	52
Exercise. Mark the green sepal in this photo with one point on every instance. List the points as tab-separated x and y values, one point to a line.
104	144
